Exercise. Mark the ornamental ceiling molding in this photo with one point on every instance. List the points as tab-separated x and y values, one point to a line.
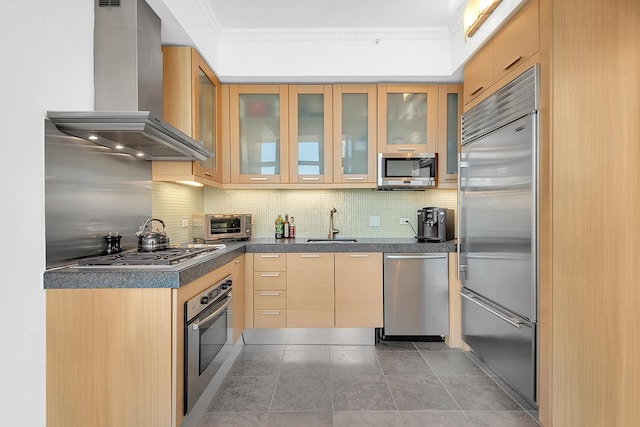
336	34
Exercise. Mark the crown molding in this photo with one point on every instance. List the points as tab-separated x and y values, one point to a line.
210	16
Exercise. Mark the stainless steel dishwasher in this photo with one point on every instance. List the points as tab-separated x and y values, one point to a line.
416	294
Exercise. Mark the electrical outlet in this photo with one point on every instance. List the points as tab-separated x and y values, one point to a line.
404	221
185	223
374	221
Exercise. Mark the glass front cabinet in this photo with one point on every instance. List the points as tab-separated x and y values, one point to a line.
354	122
258	132
449	112
407	118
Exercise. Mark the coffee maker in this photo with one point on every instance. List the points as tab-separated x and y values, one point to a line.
435	224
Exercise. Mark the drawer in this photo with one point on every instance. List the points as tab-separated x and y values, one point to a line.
269	300
269	262
270	280
270	318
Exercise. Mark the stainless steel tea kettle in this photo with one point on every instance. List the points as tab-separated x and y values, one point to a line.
153	239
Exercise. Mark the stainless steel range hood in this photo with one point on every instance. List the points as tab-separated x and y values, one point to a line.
128	88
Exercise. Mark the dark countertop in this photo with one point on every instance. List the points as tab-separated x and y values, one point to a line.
75	277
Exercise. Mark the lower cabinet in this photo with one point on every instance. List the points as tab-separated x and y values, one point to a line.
358	290
115	356
317	290
310	290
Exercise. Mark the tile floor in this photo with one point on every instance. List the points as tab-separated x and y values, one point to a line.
391	384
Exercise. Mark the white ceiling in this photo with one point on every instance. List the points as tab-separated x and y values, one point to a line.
255	41
308	14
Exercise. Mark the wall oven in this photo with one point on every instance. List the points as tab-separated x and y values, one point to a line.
208	338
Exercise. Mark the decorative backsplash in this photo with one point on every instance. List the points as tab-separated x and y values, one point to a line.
311	209
173	203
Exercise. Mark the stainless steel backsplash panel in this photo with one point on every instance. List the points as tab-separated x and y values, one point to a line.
89	192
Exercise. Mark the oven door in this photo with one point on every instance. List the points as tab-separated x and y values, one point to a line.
208	339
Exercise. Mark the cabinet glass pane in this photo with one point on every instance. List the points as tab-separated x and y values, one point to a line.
310	134
452	133
407	118
207	116
355	133
259	134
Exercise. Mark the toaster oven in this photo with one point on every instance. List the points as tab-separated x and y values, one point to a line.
211	227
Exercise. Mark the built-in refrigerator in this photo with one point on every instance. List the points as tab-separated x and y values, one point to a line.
498	259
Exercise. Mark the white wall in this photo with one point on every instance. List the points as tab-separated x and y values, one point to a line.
46	63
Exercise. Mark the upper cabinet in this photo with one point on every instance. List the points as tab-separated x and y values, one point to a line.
258	133
407	117
354	133
310	133
192	103
449	112
503	55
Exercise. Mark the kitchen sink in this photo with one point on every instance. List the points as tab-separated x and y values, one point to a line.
331	240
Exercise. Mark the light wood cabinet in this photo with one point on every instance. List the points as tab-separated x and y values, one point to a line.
310	290
258	134
358	290
407	118
310	134
192	103
449	112
269	290
502	56
354	134
115	356
239	296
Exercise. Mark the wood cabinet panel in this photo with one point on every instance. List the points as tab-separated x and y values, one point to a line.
270	262
270	318
310	290
239	295
449	112
478	73
517	41
269	300
358	290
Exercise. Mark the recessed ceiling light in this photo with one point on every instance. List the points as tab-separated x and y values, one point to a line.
93	137
119	147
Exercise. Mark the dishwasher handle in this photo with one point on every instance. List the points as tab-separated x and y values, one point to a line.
439	256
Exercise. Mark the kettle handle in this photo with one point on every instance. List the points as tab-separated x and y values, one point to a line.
144	226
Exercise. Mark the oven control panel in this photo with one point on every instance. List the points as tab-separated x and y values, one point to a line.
199	302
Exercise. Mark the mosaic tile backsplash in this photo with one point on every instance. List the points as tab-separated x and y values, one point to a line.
173	203
311	209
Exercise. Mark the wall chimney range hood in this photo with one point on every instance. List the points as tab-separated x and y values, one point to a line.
128	88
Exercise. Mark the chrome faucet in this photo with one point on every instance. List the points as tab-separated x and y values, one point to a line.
332	230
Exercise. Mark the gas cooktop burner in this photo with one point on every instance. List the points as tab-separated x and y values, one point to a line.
170	256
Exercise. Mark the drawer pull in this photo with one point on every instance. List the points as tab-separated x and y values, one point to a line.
512	63
270	294
269	274
269	256
355	178
359	256
406	149
208	173
310	179
258	179
477	90
310	256
270	313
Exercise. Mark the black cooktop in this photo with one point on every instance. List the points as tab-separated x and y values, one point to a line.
164	257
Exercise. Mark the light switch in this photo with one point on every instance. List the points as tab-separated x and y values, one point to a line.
185	223
374	221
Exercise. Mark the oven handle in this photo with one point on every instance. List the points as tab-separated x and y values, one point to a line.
196	325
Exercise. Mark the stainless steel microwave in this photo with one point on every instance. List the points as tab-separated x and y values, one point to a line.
407	170
210	227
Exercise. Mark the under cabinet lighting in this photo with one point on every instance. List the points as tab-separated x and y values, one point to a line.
476	12
192	183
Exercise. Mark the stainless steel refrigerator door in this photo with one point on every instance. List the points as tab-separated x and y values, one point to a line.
416	294
497	216
506	343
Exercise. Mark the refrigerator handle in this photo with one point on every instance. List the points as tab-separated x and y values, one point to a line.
462	268
512	321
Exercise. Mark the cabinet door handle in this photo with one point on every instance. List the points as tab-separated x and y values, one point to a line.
310	178
512	63
359	256
310	256
258	179
269	256
208	174
406	149
355	178
270	313
477	90
269	274
270	294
